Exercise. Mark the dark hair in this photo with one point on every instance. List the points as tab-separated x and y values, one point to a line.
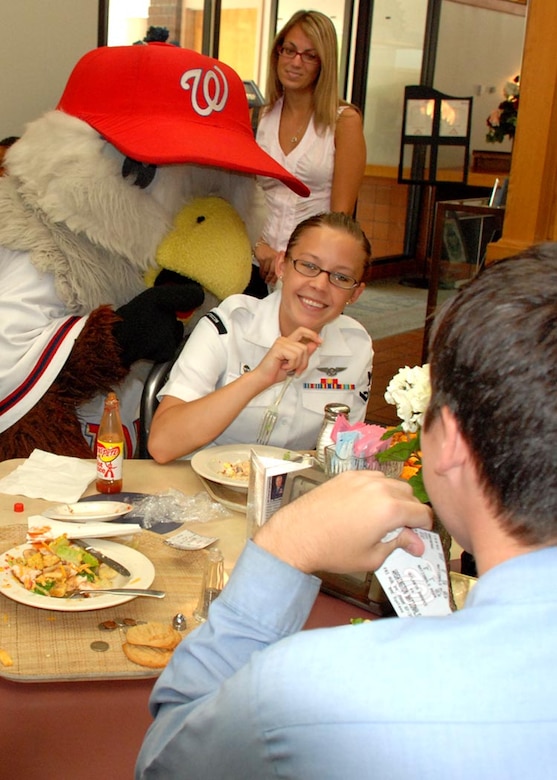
493	354
338	221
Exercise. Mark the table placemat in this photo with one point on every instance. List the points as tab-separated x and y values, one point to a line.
47	645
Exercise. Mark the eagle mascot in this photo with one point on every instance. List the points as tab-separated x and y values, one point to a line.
128	210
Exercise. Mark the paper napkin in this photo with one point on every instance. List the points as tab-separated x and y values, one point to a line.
53	477
41	528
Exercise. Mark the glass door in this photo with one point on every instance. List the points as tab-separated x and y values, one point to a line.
242	38
232	30
393	56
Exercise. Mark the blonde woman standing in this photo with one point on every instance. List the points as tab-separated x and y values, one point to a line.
309	130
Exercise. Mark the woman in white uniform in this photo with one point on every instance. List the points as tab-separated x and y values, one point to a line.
309	131
230	369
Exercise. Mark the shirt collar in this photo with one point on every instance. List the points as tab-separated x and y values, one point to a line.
264	326
334	342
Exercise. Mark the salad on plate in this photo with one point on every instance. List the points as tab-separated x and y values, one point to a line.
58	567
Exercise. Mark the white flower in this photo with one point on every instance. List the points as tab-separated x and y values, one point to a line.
512	89
409	390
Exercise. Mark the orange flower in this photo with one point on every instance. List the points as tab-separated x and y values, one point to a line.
402	436
409	471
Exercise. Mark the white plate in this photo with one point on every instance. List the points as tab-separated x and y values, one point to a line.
84	511
142	576
209	463
237	500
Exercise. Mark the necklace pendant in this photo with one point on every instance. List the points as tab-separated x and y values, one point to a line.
294	139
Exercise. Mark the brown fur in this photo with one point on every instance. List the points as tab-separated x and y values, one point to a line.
93	367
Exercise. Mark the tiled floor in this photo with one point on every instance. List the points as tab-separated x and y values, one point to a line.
391	353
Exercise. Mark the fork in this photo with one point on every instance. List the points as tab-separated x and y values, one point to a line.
154	594
271	415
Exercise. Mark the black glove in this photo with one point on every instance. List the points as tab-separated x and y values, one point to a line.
149	329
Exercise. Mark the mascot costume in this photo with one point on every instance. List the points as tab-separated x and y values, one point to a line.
132	203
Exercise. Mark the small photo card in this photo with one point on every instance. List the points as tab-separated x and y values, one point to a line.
266	486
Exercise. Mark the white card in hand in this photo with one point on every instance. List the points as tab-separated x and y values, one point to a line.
417	586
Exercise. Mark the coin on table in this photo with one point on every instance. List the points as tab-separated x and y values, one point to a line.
99	647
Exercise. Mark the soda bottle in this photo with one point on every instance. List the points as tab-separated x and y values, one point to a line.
110	448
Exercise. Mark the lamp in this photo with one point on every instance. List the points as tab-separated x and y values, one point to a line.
434	126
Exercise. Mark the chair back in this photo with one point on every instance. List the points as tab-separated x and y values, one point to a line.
155	380
148	405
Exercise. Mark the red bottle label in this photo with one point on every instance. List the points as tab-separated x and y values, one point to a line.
110	457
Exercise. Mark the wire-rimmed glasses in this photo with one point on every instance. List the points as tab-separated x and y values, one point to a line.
336	278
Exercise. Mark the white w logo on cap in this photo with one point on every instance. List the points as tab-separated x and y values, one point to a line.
211	83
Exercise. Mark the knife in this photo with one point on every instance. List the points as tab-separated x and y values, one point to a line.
101	557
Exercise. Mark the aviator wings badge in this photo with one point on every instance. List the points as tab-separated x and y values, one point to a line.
331	370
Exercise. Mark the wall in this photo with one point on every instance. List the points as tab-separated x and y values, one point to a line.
381	211
41	42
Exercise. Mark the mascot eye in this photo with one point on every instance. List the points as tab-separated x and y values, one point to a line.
143	173
200	219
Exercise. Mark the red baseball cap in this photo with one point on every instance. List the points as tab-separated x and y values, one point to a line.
161	104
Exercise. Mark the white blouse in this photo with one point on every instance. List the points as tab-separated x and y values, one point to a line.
312	161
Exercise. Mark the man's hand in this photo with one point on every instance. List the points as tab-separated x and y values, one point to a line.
338	527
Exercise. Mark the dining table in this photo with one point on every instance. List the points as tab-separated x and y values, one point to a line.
72	703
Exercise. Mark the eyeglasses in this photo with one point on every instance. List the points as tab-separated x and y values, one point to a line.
337	279
309	57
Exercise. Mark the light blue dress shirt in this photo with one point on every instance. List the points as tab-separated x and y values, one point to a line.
471	695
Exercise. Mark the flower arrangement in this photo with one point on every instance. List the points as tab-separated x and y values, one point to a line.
409	390
502	120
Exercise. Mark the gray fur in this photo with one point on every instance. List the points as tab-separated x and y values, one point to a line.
66	202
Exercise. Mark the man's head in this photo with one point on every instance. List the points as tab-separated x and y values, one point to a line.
493	357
